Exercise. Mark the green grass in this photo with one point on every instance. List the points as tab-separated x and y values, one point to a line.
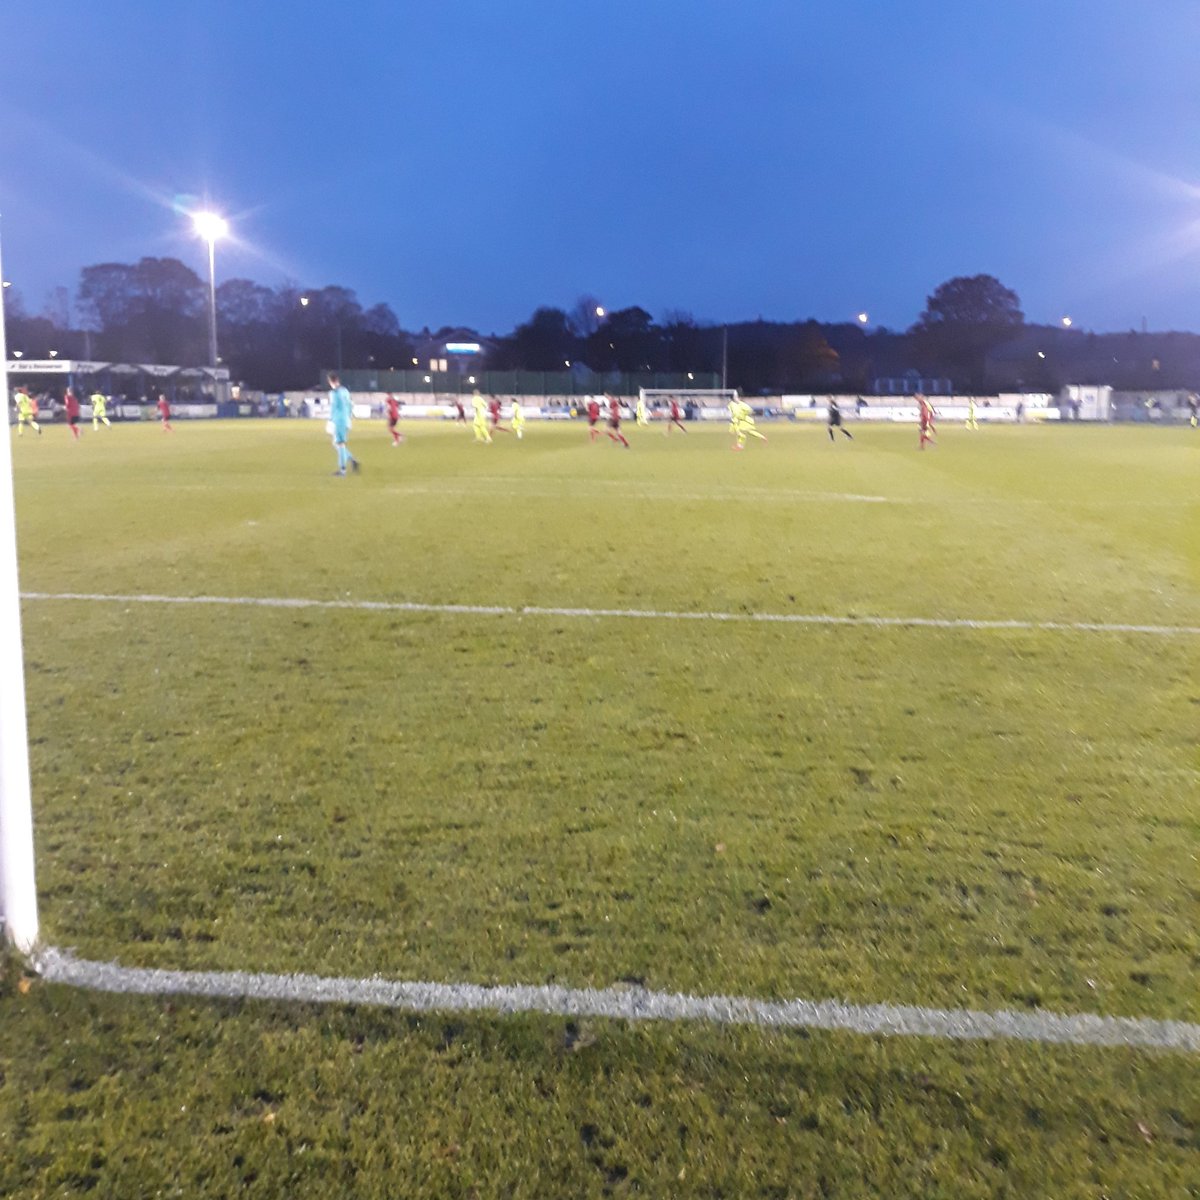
949	817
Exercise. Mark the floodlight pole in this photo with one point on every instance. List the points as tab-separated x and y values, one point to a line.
212	301
18	891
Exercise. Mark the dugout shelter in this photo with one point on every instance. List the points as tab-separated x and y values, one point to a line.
136	382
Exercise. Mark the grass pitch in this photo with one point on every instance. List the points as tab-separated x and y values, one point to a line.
987	819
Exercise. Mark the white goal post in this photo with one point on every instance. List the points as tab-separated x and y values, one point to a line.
703	397
18	892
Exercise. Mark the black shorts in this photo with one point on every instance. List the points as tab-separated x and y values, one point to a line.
73	420
835	418
614	422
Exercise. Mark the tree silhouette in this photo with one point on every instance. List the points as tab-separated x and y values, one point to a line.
152	311
963	320
545	342
807	360
972	300
626	340
584	317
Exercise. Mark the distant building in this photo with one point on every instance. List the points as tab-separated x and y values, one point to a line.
458	351
910	383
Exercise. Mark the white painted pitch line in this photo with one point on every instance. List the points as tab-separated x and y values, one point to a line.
638	614
628	1004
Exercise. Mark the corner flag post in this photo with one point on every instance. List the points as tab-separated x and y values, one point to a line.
18	892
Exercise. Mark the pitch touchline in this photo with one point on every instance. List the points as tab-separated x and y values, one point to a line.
630	1004
644	614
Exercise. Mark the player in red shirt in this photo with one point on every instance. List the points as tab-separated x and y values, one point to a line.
393	415
461	418
494	411
593	414
71	404
614	421
676	417
164	412
925	415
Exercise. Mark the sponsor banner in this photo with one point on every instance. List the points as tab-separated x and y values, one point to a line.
40	366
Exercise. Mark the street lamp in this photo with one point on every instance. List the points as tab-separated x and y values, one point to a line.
210	226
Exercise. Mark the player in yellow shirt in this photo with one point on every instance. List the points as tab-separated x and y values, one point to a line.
640	415
972	423
99	409
26	412
741	423
479	405
517	420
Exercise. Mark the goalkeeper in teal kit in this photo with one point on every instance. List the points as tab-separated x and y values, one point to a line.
340	411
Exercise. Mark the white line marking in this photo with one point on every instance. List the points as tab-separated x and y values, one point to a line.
640	614
629	1004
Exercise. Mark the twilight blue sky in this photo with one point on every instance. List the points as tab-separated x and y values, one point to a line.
466	162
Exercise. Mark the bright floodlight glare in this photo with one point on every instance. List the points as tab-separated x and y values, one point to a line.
210	226
600	311
1067	322
304	304
862	318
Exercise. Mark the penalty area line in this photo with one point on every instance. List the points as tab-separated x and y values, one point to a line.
627	1004
639	614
